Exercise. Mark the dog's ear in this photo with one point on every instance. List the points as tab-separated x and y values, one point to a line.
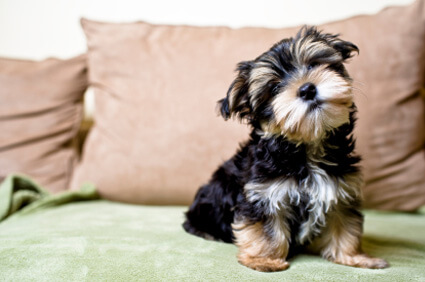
236	102
345	48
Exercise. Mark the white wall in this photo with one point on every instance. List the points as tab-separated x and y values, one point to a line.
36	29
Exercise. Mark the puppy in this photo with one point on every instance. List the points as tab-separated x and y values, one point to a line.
296	181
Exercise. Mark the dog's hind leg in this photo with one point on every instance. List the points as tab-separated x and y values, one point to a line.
211	214
340	241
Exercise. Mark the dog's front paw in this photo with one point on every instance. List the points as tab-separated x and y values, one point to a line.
264	264
364	261
373	263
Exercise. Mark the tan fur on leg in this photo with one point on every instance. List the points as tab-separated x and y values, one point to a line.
341	242
258	250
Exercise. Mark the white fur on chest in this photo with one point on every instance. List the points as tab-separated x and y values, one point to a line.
323	190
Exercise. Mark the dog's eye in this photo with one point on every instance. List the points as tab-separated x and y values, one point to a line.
275	89
338	67
312	65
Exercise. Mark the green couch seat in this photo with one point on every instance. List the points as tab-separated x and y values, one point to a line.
98	240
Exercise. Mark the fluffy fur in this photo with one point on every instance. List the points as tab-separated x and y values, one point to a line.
295	182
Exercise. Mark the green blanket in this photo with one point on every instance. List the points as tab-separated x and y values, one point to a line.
21	193
63	238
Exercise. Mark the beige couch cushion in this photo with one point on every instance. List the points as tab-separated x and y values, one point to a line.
40	112
157	137
389	74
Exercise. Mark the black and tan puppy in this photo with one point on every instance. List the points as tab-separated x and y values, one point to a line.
296	181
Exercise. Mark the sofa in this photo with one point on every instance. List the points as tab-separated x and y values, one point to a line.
104	199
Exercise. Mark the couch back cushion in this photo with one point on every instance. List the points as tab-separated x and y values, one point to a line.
40	113
157	136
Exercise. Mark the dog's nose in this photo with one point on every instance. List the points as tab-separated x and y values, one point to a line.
307	91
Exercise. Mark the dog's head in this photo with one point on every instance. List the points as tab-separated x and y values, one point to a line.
299	88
